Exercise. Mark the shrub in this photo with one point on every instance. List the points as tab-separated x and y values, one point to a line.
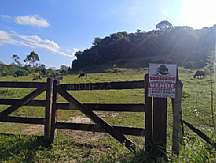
20	72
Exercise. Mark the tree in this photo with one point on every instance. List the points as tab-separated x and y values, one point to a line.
138	31
42	69
32	58
20	72
163	25
16	59
97	41
78	54
64	69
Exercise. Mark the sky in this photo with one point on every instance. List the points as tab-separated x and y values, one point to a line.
56	29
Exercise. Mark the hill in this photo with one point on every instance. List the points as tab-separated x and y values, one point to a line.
180	44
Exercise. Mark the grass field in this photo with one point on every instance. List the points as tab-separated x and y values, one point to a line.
23	143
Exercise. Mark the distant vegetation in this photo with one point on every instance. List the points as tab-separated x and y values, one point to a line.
30	65
183	45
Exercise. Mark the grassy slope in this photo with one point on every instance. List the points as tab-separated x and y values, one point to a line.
79	146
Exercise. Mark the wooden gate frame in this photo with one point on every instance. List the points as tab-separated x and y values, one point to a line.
155	111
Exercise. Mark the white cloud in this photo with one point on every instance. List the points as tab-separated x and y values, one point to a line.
5	38
34	41
33	20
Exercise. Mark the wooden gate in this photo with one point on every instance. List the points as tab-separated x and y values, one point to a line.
155	110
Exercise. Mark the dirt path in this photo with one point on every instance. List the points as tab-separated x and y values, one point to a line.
76	135
33	129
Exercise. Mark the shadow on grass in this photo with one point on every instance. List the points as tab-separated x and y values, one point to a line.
155	155
20	147
143	157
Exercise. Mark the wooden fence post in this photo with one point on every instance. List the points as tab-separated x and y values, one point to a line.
160	124
148	116
177	118
49	95
53	110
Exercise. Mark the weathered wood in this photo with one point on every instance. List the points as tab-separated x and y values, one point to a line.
49	95
200	134
39	103
104	107
7	84
105	85
22	120
160	123
53	110
177	118
89	113
148	116
96	128
25	100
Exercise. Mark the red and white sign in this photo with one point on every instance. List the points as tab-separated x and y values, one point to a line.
162	80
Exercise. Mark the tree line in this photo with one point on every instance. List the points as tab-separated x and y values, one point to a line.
182	45
30	65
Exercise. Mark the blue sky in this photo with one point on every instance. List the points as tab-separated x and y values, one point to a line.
56	29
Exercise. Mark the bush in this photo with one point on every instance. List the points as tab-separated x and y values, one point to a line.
20	72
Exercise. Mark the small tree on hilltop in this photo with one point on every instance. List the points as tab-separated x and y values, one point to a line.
163	25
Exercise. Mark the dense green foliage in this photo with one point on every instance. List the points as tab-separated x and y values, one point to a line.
14	70
30	65
180	44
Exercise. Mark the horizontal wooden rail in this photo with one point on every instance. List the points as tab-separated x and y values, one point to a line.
41	103
105	85
7	84
95	128
104	107
22	120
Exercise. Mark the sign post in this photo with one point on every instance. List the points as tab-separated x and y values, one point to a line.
162	82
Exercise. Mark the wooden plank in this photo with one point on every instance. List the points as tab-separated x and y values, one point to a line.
95	128
8	84
47	123
105	107
148	116
25	100
22	120
200	134
40	103
160	123
53	110
105	85
177	119
89	113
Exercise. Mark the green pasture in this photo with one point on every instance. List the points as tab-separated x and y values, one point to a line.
24	143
